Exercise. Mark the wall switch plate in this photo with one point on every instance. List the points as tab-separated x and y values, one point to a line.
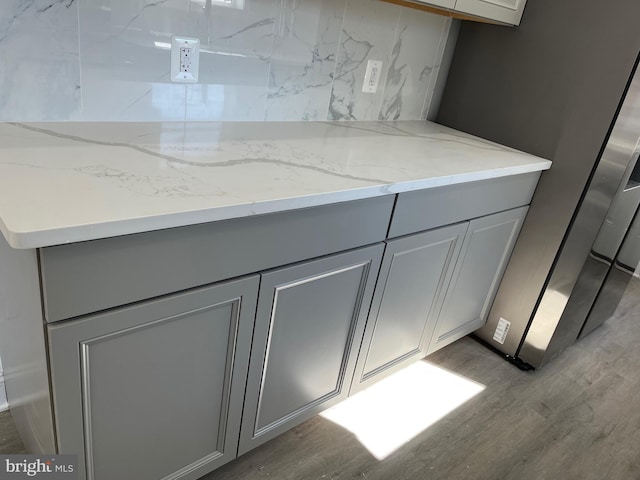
185	59
372	76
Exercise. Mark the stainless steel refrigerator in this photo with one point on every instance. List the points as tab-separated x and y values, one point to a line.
563	85
611	198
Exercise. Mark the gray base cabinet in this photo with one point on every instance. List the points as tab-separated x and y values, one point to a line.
309	325
155	390
434	288
158	372
413	278
484	256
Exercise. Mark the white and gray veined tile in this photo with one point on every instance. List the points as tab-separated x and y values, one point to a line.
39	60
304	59
125	53
441	70
413	67
367	34
236	46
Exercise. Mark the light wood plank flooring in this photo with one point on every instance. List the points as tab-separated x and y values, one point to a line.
9	440
577	418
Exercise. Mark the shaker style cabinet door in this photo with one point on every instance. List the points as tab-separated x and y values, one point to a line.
155	390
483	259
507	11
309	325
413	277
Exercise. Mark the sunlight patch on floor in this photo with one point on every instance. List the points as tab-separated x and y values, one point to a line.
388	414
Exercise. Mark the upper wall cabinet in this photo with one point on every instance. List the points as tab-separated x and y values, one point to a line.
507	11
443	3
494	11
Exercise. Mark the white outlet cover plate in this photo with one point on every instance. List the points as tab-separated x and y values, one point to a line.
500	335
372	76
191	75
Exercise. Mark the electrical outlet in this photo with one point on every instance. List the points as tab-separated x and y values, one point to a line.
372	76
500	335
185	59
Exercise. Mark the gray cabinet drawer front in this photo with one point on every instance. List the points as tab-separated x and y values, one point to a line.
309	325
155	390
88	277
435	207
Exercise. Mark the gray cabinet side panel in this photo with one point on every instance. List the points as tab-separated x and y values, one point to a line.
22	345
155	390
435	207
485	253
309	325
92	276
410	290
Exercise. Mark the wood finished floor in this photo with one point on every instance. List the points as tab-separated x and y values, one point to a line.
9	440
577	418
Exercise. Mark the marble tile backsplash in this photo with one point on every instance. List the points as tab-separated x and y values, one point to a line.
39	60
108	60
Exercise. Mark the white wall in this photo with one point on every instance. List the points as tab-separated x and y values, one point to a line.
261	60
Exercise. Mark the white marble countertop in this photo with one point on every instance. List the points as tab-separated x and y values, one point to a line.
71	182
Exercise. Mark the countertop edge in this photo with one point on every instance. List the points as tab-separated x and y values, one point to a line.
82	233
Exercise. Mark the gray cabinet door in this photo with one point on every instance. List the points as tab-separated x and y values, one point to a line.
309	325
484	256
413	277
155	390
